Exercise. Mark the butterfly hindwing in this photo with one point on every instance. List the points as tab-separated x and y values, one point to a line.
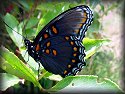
62	55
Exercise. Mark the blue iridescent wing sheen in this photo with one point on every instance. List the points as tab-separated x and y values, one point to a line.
61	51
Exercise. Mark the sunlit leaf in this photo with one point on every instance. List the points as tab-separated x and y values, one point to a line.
11	64
31	22
47	17
13	29
86	83
92	45
25	4
8	80
95	26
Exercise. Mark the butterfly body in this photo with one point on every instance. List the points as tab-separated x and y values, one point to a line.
58	46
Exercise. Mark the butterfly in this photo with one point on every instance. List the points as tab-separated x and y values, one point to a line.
58	46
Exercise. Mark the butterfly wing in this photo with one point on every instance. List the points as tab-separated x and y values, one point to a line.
63	55
74	21
60	48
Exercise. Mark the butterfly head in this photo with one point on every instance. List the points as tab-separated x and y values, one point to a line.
27	42
29	46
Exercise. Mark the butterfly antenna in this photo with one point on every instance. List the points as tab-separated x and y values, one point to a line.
23	29
12	29
25	53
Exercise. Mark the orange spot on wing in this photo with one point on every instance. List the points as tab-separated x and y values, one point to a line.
73	60
54	52
54	30
77	31
69	66
84	14
75	49
48	44
80	25
65	71
47	51
46	36
67	38
72	43
37	47
83	20
74	54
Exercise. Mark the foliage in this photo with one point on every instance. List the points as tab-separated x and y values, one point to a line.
30	27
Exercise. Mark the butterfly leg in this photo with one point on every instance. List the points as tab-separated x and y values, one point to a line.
25	55
38	69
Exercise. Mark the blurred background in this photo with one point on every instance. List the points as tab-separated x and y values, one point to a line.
108	23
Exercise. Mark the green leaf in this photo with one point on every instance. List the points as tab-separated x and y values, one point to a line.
25	4
55	77
30	33
45	6
86	83
91	45
114	5
47	17
8	80
11	64
32	22
29	24
94	3
51	6
95	26
96	15
31	62
11	20
102	7
46	83
45	74
13	29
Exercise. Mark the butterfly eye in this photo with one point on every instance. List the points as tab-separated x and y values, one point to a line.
27	42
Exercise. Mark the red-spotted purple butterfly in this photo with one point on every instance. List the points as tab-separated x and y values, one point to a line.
58	46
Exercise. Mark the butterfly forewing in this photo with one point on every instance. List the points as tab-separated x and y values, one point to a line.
74	21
